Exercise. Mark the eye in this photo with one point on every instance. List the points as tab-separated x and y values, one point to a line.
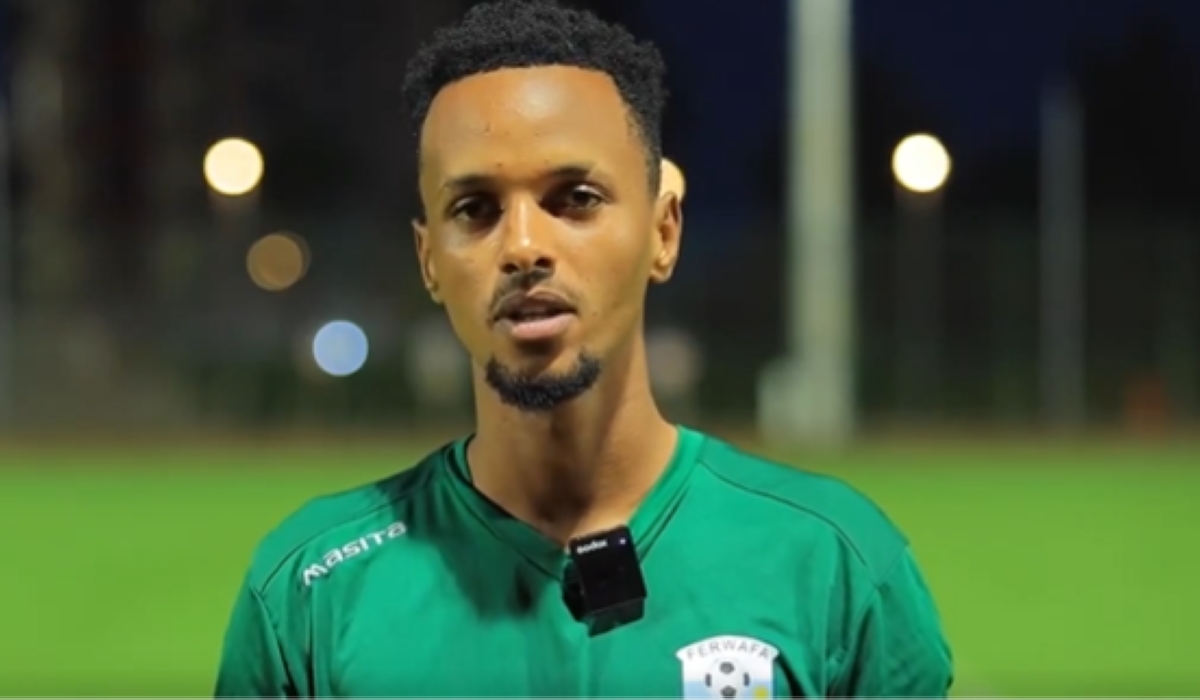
576	200
475	210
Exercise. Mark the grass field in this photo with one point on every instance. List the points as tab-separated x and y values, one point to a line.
1058	570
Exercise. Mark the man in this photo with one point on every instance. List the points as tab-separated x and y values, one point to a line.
543	226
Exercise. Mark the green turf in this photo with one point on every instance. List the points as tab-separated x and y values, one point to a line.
1058	572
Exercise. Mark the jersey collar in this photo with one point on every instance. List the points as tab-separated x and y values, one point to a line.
648	521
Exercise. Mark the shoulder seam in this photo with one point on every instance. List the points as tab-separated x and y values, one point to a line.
861	613
260	599
841	532
274	571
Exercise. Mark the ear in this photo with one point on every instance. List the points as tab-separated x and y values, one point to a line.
672	179
425	259
668	226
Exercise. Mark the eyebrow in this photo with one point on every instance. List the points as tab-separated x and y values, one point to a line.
471	181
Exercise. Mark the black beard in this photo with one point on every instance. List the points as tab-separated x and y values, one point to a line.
542	392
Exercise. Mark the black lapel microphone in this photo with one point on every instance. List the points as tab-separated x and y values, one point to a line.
604	587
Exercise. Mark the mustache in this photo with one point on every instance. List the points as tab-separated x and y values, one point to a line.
522	282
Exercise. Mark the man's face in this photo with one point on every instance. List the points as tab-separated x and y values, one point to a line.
541	230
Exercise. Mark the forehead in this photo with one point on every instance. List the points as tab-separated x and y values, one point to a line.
518	119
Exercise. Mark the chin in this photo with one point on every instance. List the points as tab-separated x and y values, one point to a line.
541	384
537	360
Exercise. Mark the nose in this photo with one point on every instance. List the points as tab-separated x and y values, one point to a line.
527	238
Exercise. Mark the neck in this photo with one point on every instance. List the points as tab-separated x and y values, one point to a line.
582	467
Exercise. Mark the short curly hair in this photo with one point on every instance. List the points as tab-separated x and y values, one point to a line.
525	33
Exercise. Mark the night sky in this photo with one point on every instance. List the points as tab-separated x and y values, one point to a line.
978	64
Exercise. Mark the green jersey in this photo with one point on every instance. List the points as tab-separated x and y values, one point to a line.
763	581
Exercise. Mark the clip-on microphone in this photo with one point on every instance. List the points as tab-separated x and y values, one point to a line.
604	584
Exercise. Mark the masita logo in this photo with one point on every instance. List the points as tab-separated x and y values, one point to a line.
352	549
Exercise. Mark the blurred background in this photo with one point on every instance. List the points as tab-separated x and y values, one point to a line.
949	251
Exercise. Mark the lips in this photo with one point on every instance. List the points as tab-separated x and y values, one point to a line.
522	308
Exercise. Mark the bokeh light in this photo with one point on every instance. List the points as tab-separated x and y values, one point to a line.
675	359
921	164
441	369
277	261
233	167
340	348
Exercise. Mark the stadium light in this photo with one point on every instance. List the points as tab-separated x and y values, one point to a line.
277	261
340	348
233	167
921	164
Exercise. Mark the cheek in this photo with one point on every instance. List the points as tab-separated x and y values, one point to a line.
469	327
464	297
619	275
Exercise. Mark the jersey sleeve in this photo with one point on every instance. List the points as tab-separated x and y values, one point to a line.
252	660
898	648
